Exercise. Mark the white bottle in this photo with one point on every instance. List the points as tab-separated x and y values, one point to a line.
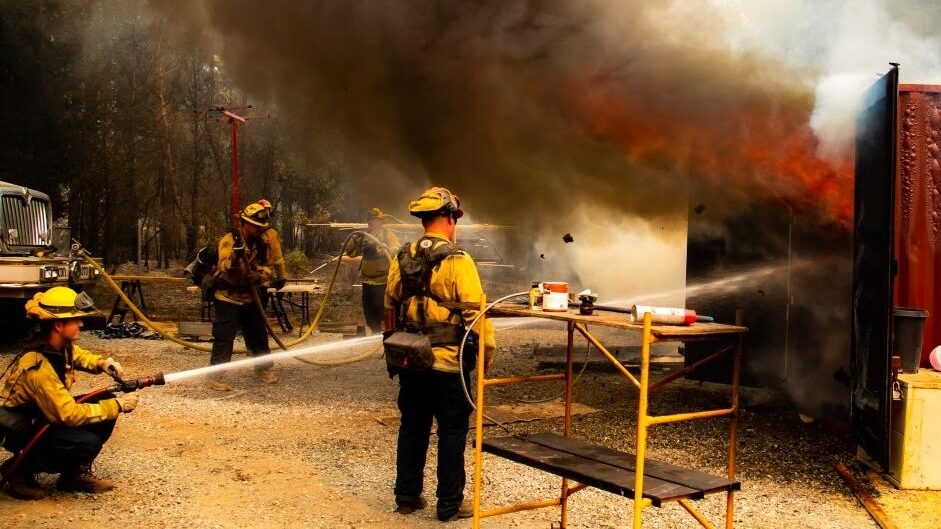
663	315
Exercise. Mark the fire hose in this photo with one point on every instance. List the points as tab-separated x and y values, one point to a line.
460	361
77	247
122	385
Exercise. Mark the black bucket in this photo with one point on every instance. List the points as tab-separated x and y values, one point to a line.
909	330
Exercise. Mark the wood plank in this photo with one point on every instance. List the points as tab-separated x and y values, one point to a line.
707	483
150	279
593	473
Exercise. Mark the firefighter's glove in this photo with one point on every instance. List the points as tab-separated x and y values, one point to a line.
111	366
127	402
253	278
279	284
238	251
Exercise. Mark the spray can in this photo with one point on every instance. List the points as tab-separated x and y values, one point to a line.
663	315
533	292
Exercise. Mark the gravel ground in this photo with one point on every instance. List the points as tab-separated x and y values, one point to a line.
310	451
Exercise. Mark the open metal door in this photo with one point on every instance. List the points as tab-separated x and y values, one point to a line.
873	268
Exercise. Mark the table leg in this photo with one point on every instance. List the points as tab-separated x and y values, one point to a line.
642	423
479	418
567	428
733	423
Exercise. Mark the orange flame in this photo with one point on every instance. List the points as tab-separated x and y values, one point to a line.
757	149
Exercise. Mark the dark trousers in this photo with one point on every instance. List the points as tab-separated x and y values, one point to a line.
423	396
229	318
62	448
374	306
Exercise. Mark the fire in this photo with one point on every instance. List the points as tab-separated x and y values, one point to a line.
758	148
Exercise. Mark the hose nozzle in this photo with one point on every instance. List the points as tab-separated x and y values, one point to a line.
135	384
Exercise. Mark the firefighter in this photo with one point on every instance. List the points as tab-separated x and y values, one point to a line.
35	392
373	261
423	275
243	267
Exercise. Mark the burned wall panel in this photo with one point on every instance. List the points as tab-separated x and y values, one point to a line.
789	270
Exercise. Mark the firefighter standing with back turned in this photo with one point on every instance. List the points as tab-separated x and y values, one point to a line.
423	275
243	267
35	392
374	260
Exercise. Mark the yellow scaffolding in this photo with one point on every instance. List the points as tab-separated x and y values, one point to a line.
650	334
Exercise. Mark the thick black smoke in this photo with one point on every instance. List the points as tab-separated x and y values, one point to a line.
529	109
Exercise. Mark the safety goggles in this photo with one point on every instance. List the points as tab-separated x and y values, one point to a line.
83	303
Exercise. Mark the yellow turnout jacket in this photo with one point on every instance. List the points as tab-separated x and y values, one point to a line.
454	280
234	286
33	380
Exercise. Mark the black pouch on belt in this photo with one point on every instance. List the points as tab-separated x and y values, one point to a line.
408	350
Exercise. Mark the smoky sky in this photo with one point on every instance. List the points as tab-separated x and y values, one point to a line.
528	109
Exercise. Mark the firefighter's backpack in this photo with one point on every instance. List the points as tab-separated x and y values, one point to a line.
411	346
202	270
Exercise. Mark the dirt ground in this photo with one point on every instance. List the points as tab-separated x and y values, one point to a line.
316	450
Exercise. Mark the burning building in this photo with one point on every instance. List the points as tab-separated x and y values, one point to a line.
818	293
600	119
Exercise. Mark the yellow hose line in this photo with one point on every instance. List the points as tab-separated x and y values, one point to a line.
140	315
127	301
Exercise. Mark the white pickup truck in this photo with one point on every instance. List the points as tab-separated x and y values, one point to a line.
34	254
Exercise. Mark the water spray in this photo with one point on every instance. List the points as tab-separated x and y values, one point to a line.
170	378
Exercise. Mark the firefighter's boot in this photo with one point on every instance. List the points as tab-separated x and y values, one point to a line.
219	385
22	485
82	479
408	505
268	376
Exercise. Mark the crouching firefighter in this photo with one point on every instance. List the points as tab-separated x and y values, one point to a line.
422	340
35	392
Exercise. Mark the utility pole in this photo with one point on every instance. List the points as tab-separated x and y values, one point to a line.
228	115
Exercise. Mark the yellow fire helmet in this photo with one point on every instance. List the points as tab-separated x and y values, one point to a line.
436	201
256	214
59	303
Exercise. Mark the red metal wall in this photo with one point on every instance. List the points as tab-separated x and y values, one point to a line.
918	207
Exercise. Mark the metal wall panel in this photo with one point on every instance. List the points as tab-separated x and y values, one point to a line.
873	267
918	207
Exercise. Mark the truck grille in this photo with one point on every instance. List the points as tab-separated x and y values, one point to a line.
25	225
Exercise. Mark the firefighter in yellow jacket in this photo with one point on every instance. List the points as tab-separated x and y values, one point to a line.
423	275
35	392
243	267
374	254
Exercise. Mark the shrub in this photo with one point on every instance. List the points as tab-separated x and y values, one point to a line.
296	263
